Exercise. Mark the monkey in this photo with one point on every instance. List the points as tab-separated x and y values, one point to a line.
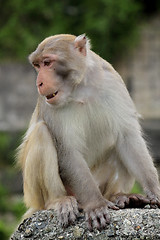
84	147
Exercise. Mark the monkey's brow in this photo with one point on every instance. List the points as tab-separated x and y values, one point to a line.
36	56
37	59
40	58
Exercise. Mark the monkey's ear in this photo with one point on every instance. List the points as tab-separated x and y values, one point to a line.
81	43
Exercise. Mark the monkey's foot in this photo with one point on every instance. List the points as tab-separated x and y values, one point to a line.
122	200
154	201
67	210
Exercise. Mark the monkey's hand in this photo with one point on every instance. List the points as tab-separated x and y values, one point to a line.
130	200
98	217
67	210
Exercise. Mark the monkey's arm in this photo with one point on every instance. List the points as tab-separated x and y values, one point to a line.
77	176
135	156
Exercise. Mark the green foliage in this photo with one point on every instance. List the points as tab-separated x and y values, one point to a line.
12	207
4	231
111	24
3	194
7	204
137	188
8	144
18	209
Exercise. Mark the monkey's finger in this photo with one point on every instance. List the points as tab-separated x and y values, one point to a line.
158	204
103	217
96	224
139	198
143	199
155	203
94	219
120	204
107	216
122	201
134	201
64	219
88	221
74	206
133	197
103	222
68	211
67	218
72	217
64	215
154	206
112	205
89	225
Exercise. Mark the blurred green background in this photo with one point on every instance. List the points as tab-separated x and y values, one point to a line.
25	23
113	26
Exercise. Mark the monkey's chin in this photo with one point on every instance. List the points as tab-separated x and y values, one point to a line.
51	101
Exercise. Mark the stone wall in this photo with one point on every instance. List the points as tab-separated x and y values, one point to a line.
17	96
141	70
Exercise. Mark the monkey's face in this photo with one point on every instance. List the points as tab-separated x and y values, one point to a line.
60	68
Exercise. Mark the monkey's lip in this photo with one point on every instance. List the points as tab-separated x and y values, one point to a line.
52	95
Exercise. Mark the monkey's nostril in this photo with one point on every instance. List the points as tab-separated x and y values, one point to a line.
41	84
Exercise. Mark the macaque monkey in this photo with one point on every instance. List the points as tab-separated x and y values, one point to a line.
84	147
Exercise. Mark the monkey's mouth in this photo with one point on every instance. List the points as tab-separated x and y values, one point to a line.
52	95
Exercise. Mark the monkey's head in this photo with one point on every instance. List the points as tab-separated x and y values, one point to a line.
60	62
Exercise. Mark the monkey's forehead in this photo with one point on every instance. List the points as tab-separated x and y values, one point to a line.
53	43
64	37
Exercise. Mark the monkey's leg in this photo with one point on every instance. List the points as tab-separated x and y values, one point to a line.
43	188
114	181
135	157
66	207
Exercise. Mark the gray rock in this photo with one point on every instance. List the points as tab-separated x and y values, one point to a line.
125	224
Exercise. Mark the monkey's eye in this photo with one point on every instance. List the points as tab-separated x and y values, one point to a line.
47	62
36	65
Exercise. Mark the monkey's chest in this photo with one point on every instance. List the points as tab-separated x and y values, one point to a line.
99	143
84	129
91	136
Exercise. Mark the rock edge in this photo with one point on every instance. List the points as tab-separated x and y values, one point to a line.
125	224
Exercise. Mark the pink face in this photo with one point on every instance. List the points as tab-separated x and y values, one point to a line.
48	83
60	65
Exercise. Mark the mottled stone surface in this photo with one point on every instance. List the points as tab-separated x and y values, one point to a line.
125	224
